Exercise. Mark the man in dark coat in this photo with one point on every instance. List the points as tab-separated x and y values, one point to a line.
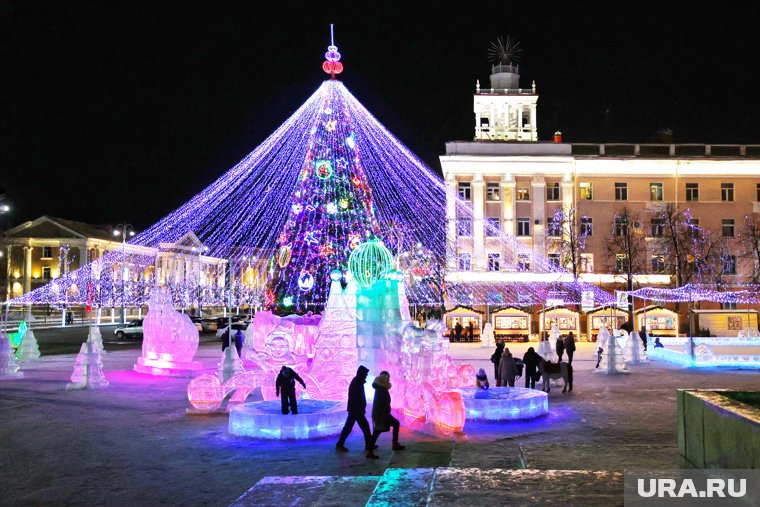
382	419
285	387
458	331
570	347
530	360
239	339
496	359
643	336
560	348
357	405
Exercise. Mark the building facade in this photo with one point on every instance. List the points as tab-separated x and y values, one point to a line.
524	188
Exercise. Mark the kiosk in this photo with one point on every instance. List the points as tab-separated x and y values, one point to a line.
599	316
659	321
567	320
464	315
511	324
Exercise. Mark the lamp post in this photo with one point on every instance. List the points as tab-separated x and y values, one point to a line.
124	230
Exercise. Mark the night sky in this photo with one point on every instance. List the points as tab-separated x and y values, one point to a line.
115	110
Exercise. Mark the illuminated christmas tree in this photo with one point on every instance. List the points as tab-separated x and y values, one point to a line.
331	212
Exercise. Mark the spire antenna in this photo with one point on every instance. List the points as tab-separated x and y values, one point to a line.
332	64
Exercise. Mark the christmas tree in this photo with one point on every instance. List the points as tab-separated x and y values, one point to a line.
331	211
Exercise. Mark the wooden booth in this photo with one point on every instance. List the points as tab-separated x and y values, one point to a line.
566	319
511	325
599	317
724	322
464	315
659	321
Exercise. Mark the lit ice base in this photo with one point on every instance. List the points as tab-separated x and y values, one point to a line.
721	360
504	403
264	419
168	368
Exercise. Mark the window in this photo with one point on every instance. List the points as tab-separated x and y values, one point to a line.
692	191
757	197
554	227
464	262
693	228
552	192
621	226
46	273
47	252
464	227
587	263
726	191
554	260
465	191
523	226
492	226
621	263
494	262
492	191
657	227
621	191
727	227
586	191
729	264
655	192
523	194
728	306
523	262
658	263
587	226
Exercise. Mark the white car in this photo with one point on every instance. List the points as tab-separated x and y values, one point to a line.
132	330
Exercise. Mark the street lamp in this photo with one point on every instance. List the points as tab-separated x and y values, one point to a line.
124	230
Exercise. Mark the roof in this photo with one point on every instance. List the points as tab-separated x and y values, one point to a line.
88	230
53	227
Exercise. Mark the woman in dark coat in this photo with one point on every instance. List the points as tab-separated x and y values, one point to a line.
496	359
382	420
530	360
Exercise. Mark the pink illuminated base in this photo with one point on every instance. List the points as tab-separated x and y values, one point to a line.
167	368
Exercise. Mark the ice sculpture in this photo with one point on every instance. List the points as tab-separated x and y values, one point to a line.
170	340
230	365
8	366
634	350
88	369
504	403
263	419
15	338
546	348
487	337
29	348
96	338
613	360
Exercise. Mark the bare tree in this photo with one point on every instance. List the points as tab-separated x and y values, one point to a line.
567	237
750	242
627	249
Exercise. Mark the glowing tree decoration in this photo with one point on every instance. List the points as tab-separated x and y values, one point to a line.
305	197
29	348
370	262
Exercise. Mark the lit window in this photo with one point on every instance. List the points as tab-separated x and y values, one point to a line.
552	192
587	263
621	191
727	191
494	262
727	227
492	191
464	227
523	262
729	264
523	227
655	192
465	191
587	226
464	262
692	191
586	191
523	194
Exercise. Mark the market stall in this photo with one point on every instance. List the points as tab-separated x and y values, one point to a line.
659	321
601	317
464	316
728	323
511	325
566	319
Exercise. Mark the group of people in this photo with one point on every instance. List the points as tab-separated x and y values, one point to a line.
238	339
460	333
507	368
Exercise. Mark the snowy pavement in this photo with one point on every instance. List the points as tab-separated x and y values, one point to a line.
132	444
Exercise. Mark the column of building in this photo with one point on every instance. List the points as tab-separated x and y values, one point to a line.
538	198
478	223
508	198
9	264
27	269
451	222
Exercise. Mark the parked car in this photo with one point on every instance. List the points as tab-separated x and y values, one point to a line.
132	330
198	324
209	325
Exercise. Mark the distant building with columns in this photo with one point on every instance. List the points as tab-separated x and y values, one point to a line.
518	183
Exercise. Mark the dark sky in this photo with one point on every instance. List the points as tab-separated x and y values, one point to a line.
116	110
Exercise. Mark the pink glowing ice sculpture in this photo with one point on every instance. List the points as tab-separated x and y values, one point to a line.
170	340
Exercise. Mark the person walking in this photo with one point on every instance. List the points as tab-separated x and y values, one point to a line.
286	384
530	360
496	359
225	339
239	339
382	420
570	347
458	331
560	348
507	369
643	336
471	335
357	406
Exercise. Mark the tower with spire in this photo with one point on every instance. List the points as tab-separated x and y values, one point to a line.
505	112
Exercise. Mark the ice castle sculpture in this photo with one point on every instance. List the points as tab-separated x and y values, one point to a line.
29	348
170	340
613	360
88	369
488	339
8	366
546	348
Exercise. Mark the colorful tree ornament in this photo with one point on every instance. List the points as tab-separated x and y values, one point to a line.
330	125
332	63
324	169
283	259
370	262
331	207
305	281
